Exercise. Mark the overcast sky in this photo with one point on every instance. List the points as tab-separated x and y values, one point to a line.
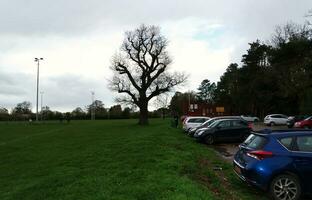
77	39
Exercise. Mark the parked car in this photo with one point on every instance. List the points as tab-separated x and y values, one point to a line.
306	123
192	131
250	118
192	122
278	161
293	119
275	119
225	130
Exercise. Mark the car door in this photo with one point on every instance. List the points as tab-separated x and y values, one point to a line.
302	156
240	129
283	119
223	131
277	119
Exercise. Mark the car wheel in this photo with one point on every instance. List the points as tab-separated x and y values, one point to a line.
285	187
272	124
209	139
256	120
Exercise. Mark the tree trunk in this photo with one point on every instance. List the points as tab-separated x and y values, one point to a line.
143	120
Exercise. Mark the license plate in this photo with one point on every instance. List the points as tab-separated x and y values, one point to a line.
237	169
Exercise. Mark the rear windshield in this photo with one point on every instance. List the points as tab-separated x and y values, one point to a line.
196	120
255	142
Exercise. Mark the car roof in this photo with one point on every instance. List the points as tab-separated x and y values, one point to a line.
276	114
282	133
233	119
227	117
192	117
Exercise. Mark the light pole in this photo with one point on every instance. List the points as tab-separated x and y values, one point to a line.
41	111
92	109
38	63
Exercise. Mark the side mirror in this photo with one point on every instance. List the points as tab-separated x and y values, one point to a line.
218	127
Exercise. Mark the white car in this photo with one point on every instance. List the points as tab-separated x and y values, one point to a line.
250	118
275	119
193	122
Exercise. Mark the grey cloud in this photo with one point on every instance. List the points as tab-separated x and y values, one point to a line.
79	16
63	92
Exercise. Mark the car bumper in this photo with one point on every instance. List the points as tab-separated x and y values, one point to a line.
241	172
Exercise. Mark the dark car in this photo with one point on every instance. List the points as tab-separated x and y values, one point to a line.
192	131
277	161
293	119
225	130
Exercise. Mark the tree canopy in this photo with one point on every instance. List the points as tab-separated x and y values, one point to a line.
141	69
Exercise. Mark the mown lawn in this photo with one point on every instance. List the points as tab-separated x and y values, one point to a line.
114	159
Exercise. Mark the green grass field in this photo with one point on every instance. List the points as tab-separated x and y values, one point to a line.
111	160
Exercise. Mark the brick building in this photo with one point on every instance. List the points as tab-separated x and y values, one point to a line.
202	109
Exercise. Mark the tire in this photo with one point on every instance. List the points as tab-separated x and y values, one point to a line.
209	139
256	120
272	124
285	187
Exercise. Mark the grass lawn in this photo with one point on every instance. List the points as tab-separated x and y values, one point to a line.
114	159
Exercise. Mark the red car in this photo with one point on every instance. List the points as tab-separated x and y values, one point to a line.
306	123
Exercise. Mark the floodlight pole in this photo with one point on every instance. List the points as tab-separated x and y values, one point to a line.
38	63
92	109
41	111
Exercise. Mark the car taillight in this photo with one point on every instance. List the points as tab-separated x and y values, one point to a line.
260	155
250	125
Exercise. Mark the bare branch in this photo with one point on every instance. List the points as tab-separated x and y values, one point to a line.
140	70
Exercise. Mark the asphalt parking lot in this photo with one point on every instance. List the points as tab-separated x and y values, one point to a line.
227	150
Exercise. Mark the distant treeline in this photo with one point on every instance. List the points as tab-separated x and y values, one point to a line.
22	112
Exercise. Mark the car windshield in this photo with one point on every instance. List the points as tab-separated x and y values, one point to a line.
208	122
214	124
308	118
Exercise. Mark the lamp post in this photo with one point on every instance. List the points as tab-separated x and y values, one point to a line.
38	63
92	109
41	111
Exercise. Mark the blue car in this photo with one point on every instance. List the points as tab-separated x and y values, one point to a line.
277	161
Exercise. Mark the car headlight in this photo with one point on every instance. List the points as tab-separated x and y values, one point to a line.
200	132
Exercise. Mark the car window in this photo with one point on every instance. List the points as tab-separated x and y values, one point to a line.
255	142
238	123
209	122
201	120
225	124
214	124
304	143
192	120
286	142
196	120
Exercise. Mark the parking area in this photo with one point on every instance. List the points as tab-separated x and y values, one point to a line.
227	150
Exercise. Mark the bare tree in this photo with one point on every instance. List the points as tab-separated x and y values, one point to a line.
290	31
162	103
141	69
